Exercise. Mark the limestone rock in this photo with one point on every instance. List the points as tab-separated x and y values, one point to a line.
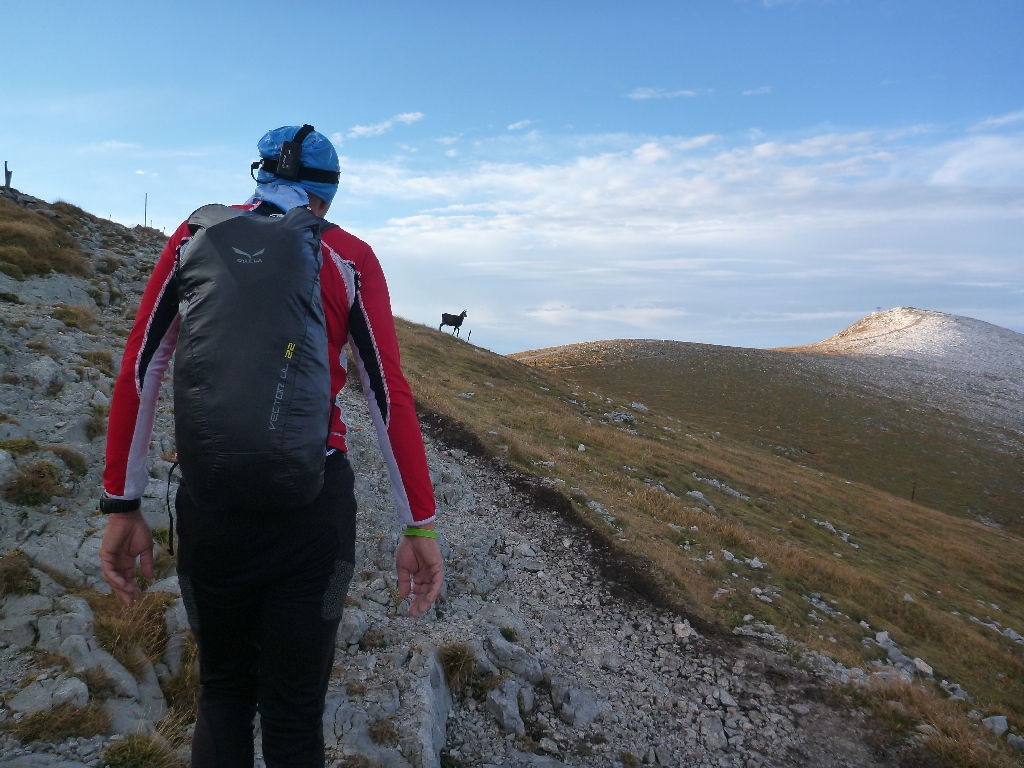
576	705
49	633
176	618
72	690
514	658
77	651
56	552
996	723
151	697
35	697
426	702
19	631
712	732
503	703
128	717
124	683
41	760
7	467
353	626
23	605
43	371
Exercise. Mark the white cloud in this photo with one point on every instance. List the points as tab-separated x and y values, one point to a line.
109	146
984	160
452	153
764	90
140	173
701	237
999	122
519	125
338	138
657	93
447	140
376	129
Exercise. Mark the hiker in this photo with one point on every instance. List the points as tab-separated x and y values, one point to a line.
266	508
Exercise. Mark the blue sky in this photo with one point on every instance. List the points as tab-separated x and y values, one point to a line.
746	173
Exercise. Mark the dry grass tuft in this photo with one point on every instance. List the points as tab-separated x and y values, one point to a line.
108	264
19	446
481	686
101	686
510	634
16	577
49	659
182	690
373	639
357	761
35	484
97	423
458	660
137	751
383	732
60	723
31	244
72	459
174	727
959	742
131	633
101	359
8	255
75	316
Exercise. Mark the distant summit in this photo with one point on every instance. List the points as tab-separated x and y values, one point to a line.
951	341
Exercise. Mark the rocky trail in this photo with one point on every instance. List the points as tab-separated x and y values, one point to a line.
537	654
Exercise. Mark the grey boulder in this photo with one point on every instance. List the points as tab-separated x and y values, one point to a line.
576	705
503	703
997	724
514	658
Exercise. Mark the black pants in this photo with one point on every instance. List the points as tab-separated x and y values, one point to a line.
264	597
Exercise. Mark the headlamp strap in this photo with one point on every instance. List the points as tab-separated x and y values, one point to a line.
289	166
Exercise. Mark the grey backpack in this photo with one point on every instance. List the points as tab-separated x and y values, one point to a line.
252	386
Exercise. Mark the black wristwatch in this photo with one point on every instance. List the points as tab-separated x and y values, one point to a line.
110	506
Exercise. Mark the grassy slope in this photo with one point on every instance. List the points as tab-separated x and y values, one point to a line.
947	563
799	406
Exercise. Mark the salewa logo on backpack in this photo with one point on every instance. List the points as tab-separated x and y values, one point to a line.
250	258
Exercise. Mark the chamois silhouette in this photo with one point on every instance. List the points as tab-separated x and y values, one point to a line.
455	321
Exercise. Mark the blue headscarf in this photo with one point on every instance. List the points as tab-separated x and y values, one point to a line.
317	152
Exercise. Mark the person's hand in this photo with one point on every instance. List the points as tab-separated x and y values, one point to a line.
420	568
127	537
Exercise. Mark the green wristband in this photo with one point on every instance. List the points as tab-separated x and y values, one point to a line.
412	530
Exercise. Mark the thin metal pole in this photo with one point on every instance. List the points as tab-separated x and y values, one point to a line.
145	210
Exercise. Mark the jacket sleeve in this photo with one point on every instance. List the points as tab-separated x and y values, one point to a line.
147	353
374	345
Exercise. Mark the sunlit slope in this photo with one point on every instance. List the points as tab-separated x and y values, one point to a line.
837	414
801	522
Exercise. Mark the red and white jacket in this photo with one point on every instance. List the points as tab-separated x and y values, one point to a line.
358	312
